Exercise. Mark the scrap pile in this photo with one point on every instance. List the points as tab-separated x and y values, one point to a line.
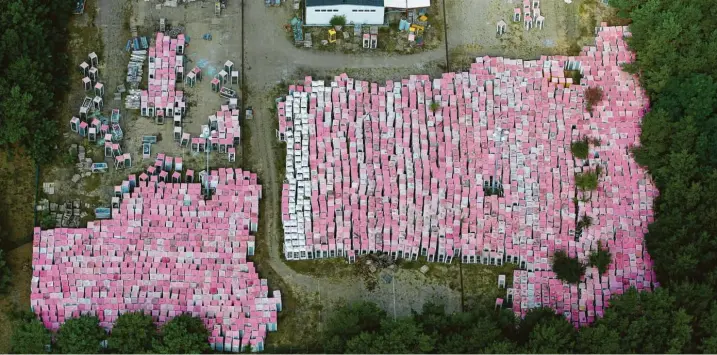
530	14
475	166
221	134
166	66
175	31
137	44
134	78
224	128
165	251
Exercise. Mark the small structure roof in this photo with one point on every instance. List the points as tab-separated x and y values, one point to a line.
310	3
407	4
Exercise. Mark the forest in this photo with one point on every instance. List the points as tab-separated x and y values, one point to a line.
33	67
675	44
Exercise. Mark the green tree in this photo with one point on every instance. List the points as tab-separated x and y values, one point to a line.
402	336
460	333
30	336
183	334
566	268
580	148
532	319
502	347
4	273
81	335
350	321
598	339
33	64
587	181
707	330
133	333
434	106
601	258
338	21
648	322
709	345
555	336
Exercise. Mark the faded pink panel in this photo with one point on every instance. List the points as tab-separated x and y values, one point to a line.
146	258
413	181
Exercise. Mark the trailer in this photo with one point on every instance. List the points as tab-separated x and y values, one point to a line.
99	167
227	93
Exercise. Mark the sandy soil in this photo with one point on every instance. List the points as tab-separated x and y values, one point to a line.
472	29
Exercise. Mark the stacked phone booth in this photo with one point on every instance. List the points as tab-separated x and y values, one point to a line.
161	101
167	250
476	166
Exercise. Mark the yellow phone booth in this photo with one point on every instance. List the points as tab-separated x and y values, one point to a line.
332	36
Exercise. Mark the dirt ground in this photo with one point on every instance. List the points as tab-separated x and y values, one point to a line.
466	18
310	289
18	295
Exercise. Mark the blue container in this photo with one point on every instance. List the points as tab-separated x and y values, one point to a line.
103	213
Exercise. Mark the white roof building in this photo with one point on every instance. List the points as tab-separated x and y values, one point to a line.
407	4
367	12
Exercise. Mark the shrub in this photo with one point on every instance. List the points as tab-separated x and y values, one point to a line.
47	221
133	333
575	75
580	148
338	21
183	335
434	106
585	222
30	337
588	180
566	268
593	95
601	258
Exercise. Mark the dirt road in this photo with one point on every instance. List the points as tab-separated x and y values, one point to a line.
269	60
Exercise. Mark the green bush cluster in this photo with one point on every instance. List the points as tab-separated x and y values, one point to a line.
133	333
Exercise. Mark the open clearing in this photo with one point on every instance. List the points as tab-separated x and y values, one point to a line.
252	36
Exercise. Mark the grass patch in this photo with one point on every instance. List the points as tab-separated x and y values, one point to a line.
588	19
331	268
298	330
93	182
17	195
574	74
18	296
481	282
580	148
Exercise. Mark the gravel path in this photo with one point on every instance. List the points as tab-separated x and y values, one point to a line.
113	66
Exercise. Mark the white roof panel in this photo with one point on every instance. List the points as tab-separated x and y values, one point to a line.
407	4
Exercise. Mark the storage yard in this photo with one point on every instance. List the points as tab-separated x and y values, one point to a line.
474	166
397	155
166	251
